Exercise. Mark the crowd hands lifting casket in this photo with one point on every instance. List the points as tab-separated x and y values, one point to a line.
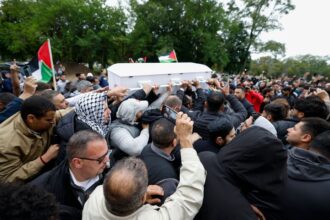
224	148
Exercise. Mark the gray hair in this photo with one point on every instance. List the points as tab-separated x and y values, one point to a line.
49	94
83	85
78	143
125	186
172	101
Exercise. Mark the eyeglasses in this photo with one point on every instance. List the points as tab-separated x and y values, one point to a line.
100	159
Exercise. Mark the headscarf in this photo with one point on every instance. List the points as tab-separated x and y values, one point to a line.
90	109
128	109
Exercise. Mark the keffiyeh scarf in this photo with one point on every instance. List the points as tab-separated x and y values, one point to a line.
90	109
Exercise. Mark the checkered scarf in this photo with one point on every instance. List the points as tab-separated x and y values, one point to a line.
90	109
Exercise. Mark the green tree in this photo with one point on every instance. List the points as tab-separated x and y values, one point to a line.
189	27
268	66
292	66
258	16
274	47
235	44
307	63
18	34
203	31
79	30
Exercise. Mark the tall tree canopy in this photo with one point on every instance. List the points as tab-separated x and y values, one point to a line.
257	16
80	30
204	31
189	27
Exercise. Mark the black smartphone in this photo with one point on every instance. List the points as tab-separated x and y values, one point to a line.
311	89
54	139
169	113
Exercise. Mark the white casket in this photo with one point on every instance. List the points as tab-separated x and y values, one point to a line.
134	75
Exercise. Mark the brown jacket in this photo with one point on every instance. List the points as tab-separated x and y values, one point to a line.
20	148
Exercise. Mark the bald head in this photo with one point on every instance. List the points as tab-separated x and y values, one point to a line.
125	186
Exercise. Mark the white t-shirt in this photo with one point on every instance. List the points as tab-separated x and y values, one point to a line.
84	184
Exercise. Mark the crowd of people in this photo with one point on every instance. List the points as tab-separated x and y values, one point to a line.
236	147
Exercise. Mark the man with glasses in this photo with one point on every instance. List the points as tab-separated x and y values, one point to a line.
74	179
125	188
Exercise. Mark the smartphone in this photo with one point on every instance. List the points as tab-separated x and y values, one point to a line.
54	139
311	89
169	113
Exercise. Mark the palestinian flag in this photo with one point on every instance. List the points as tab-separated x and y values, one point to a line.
168	58
45	61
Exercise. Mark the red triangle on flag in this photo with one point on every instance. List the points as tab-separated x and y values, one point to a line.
172	55
45	55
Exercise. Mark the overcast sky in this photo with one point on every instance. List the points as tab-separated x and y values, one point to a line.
305	29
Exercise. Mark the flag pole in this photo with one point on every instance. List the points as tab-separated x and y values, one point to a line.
53	69
175	56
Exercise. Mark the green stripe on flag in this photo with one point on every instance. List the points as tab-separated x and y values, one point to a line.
167	61
46	72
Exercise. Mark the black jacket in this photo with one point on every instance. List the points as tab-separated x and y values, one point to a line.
307	194
248	106
206	145
58	182
162	169
203	118
282	126
251	169
198	99
159	166
66	127
291	99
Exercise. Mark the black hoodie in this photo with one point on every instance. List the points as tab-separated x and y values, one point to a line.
251	169
307	194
